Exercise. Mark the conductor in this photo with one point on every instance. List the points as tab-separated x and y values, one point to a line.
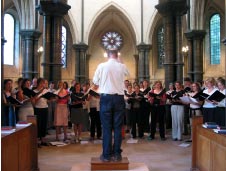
109	78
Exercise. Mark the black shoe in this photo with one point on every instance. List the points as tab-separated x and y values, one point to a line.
103	159
44	144
189	140
117	158
175	139
150	137
163	139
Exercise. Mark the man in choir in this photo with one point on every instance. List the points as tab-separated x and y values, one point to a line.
187	89
109	77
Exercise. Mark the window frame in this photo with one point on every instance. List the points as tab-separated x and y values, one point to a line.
212	60
160	66
64	66
14	39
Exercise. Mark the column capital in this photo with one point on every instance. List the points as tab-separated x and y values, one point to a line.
195	34
172	7
53	7
143	46
30	33
80	46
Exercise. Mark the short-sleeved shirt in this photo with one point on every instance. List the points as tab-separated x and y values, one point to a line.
110	77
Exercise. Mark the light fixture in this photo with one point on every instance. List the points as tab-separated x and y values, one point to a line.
40	49
105	54
185	49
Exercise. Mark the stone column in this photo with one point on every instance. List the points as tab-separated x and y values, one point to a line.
195	38
143	61
88	56
179	58
80	62
29	53
172	12
53	12
136	57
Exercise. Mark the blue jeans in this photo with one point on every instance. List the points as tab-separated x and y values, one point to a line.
112	108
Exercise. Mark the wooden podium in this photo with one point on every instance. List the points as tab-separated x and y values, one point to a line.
19	149
208	148
97	164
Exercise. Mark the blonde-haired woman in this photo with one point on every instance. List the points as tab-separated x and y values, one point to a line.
209	107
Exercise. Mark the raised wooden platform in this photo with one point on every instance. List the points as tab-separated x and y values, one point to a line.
133	166
97	164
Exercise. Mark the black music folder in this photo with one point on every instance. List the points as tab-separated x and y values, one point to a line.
94	93
14	101
187	89
201	96
216	96
48	95
28	92
81	98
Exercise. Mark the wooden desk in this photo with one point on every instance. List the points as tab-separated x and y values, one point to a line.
19	150
208	148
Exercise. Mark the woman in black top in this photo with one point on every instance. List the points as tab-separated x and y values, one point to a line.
77	112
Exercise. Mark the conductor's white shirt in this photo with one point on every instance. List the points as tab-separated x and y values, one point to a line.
110	76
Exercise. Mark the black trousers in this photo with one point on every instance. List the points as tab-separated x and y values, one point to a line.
220	116
137	120
158	115
95	123
42	115
208	114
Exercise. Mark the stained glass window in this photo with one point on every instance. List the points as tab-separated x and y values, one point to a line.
9	28
64	47
112	40
215	39
160	45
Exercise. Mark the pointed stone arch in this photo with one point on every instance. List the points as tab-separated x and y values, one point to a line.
26	12
121	13
72	26
112	18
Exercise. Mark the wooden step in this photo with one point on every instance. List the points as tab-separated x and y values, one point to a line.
97	164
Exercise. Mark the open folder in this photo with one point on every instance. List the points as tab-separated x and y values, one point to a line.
216	96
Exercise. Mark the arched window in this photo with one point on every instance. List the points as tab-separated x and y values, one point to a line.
160	46
9	35
64	47
215	39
